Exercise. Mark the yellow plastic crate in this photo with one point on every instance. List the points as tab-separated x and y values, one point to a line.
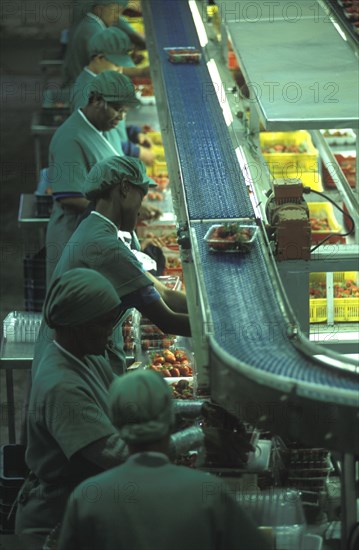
323	210
338	276
156	137
281	164
159	168
345	310
310	179
159	151
318	310
137	24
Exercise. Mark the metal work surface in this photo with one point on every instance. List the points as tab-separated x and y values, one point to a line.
306	75
248	320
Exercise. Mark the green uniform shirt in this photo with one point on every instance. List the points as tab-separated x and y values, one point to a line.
77	52
68	410
150	504
75	147
95	245
80	95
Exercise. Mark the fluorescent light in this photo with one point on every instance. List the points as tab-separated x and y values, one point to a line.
248	179
220	91
201	31
342	34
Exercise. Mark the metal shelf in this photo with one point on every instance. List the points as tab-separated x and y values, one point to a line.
306	76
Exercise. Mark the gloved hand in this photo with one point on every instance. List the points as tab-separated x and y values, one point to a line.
225	438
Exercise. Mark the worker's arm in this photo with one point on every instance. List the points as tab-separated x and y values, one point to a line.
79	204
174	299
166	319
106	452
132	72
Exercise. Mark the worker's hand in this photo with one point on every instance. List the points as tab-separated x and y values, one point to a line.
144	140
148	212
226	448
147	155
137	56
155	241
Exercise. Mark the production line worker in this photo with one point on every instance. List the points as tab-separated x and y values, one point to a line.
74	148
70	433
118	185
109	51
165	506
103	14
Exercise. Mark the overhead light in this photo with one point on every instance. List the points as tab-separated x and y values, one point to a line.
220	91
248	180
201	31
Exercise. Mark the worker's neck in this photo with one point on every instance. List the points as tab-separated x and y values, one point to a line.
161	446
107	209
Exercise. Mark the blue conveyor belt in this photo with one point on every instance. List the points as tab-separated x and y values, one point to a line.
248	322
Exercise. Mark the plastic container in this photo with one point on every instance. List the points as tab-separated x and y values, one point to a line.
245	229
282	163
186	54
174	283
159	358
324	211
279	509
348	166
21	327
345	136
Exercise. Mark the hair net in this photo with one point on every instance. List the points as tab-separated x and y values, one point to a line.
111	171
114	86
78	296
141	406
113	44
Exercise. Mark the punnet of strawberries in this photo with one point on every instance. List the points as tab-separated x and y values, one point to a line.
230	236
171	363
343	289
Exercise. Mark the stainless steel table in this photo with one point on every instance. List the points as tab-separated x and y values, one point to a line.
302	73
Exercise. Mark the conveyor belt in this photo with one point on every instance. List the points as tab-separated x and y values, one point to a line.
248	321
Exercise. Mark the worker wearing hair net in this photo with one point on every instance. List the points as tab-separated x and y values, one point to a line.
75	147
97	16
109	51
147	503
70	433
117	186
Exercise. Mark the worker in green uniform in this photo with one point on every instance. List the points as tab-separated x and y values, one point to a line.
103	14
109	51
118	185
147	503
75	147
70	434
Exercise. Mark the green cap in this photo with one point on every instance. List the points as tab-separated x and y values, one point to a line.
114	45
77	297
111	171
114	87
141	406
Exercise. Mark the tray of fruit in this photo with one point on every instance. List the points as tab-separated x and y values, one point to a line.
171	363
323	223
187	54
231	237
182	389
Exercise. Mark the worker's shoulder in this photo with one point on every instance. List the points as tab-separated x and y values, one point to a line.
70	130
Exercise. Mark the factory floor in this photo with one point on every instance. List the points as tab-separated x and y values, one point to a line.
21	93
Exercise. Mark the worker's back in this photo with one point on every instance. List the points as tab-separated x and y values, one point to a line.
150	504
